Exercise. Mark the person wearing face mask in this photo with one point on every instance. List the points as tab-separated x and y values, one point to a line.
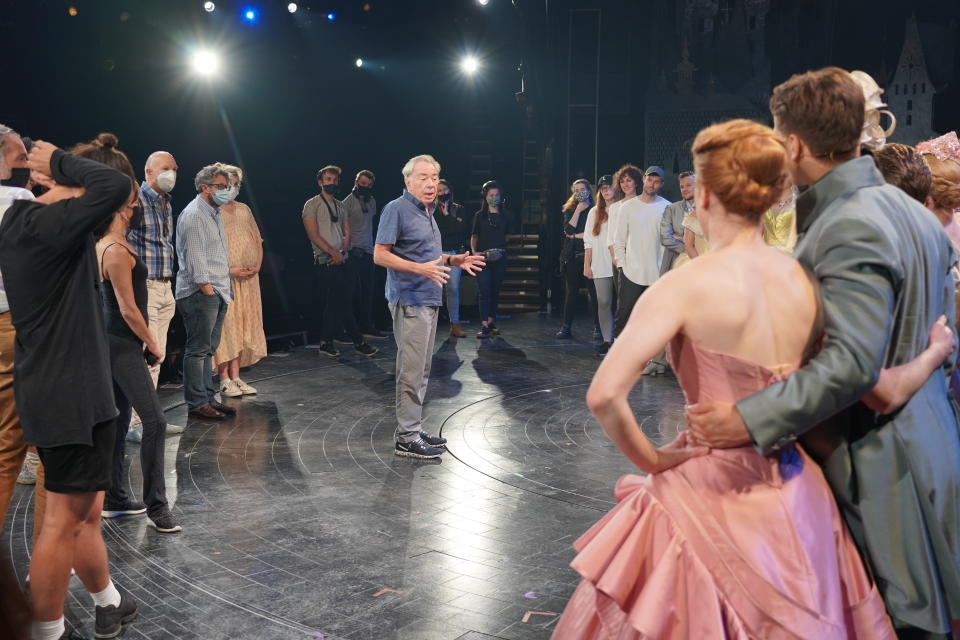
450	221
152	240
242	342
328	229
123	289
572	255
203	289
361	207
489	237
14	175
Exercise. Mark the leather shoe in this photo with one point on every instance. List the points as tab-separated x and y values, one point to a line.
207	412
219	406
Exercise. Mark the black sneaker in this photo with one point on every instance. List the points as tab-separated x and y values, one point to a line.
417	449
343	339
365	350
564	333
597	334
73	634
113	509
374	334
493	329
433	441
602	348
111	620
166	523
484	331
327	349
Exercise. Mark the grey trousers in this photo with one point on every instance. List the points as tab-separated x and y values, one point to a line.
604	287
414	329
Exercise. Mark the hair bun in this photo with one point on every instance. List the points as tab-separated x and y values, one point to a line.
107	141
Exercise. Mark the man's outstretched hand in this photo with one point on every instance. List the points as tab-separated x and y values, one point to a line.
717	425
472	264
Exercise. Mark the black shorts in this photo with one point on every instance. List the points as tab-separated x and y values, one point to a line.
78	468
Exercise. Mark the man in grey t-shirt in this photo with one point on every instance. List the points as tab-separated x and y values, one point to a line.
326	225
361	207
408	246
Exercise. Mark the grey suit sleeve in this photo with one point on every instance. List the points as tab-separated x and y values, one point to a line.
858	279
667	232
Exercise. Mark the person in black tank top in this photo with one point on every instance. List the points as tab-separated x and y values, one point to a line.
123	292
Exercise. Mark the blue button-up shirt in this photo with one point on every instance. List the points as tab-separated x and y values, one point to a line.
409	226
202	251
153	240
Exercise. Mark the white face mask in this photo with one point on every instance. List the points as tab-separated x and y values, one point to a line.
167	180
232	193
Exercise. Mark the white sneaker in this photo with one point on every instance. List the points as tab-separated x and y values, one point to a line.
229	389
174	429
246	389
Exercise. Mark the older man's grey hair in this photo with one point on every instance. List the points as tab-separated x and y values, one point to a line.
412	162
4	132
152	158
208	174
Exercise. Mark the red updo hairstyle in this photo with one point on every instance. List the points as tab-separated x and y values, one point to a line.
743	163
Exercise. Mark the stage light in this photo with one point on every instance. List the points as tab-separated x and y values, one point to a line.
483	3
72	11
331	17
204	62
292	7
470	65
250	15
359	62
209	7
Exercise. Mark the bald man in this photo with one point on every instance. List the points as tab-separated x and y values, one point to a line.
153	241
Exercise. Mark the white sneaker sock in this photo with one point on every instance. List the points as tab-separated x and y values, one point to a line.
107	597
47	630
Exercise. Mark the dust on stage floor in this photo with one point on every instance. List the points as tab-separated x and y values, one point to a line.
300	522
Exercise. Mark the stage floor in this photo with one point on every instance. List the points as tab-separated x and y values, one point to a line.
300	522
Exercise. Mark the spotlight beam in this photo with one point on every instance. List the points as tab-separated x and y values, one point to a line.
204	62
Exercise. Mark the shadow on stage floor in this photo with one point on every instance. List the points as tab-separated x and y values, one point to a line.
299	521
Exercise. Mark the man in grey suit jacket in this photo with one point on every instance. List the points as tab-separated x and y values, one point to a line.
671	225
883	263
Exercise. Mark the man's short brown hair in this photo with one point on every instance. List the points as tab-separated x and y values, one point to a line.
366	173
903	167
824	108
330	168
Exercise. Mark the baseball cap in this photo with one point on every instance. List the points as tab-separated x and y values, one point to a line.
654	170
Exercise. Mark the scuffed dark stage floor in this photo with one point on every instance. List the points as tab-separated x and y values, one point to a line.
300	522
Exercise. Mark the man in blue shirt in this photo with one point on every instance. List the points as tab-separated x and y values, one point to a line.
203	288
408	246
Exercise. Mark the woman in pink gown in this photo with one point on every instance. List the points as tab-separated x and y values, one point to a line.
728	544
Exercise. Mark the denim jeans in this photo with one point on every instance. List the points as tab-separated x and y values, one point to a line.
202	321
452	291
490	280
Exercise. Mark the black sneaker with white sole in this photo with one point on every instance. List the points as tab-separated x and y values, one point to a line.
433	441
113	509
327	349
417	449
166	523
365	349
111	620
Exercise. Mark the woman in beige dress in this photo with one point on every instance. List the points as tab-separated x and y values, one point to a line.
694	241
242	342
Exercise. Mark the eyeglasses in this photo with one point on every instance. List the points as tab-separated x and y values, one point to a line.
218	186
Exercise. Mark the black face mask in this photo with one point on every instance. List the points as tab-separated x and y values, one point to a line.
136	219
331	189
363	192
19	177
445	198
